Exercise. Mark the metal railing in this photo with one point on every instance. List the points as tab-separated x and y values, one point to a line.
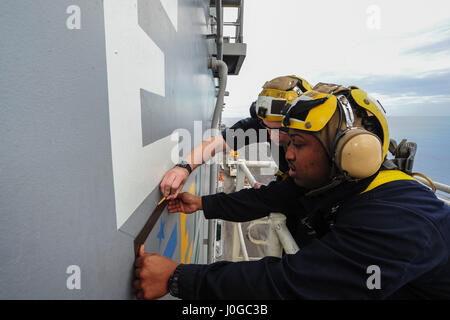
278	237
238	23
439	187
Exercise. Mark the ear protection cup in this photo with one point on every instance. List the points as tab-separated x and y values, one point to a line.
359	153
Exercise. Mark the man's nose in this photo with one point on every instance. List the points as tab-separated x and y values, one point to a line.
289	153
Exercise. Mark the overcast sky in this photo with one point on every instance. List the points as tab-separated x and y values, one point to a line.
398	51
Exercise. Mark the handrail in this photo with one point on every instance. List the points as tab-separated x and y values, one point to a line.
238	24
279	235
242	241
439	186
219	39
247	172
240	28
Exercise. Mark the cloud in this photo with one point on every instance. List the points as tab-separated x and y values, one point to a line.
406	62
425	93
399	94
427	83
442	46
417	106
432	41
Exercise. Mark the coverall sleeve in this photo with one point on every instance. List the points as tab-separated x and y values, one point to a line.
236	139
402	244
251	204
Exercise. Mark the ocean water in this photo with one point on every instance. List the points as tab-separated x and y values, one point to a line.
432	135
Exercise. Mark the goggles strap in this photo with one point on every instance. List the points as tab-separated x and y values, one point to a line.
298	85
348	112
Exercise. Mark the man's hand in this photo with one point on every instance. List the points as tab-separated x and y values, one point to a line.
173	181
153	272
257	185
186	203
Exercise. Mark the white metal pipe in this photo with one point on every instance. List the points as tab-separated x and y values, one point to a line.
279	224
222	69
260	164
274	247
255	164
241	239
240	177
247	172
239	185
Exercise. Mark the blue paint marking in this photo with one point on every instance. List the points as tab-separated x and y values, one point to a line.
171	244
160	234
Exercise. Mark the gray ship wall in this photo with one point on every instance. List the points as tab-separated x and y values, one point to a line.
90	92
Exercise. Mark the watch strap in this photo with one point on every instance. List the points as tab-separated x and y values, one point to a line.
172	284
185	165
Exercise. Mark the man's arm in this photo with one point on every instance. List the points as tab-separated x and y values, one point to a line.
251	204
174	180
333	267
206	150
244	205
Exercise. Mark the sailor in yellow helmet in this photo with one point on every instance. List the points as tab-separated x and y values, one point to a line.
271	102
379	233
350	126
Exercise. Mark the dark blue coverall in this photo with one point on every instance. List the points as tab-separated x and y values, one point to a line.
400	227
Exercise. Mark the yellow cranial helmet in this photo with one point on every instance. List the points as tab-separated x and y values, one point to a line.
350	125
276	93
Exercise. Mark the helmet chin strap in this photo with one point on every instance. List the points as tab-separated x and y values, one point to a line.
337	180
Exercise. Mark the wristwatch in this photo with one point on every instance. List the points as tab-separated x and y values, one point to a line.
172	284
185	165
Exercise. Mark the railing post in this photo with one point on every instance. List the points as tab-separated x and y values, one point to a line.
278	221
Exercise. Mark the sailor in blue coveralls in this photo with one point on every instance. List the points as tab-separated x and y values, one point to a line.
367	219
